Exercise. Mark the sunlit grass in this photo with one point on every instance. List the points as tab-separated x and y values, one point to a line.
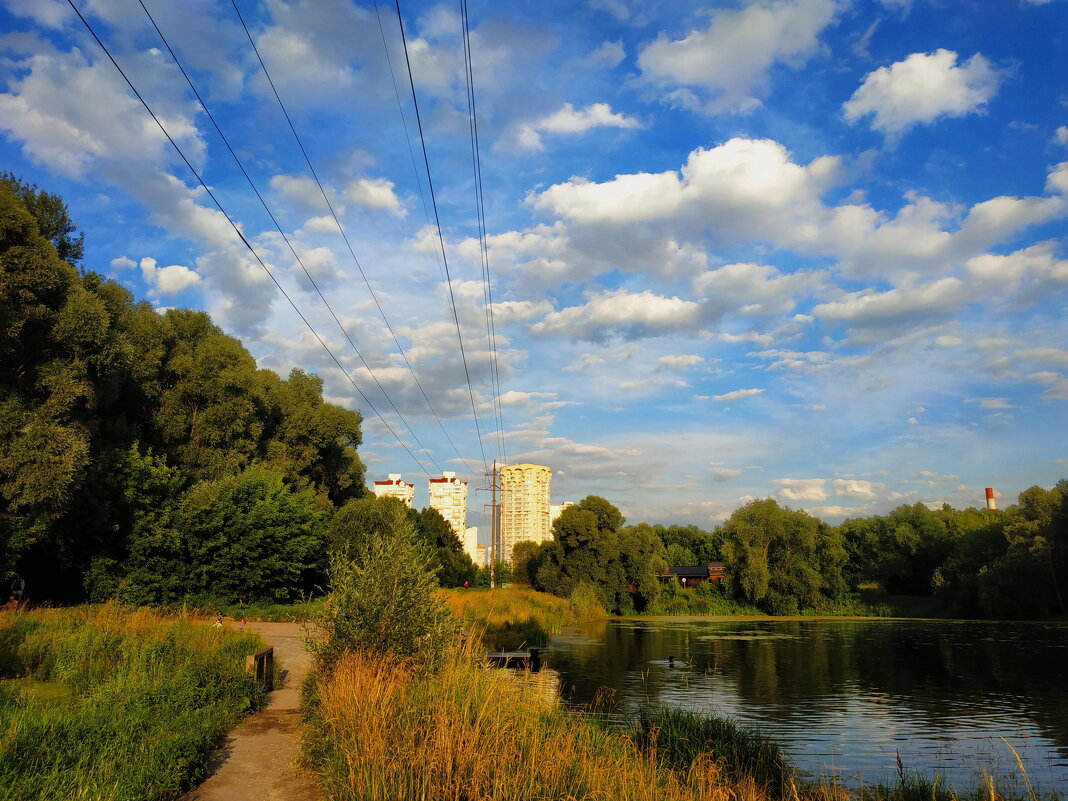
510	618
381	730
111	703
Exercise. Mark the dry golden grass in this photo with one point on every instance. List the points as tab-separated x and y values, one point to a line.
471	733
383	731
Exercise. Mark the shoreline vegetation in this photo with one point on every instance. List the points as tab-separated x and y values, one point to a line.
111	702
382	730
387	726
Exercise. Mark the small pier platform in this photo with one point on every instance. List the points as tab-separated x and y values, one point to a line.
519	660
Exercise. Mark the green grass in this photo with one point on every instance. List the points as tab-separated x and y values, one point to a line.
111	703
676	738
704	599
299	612
510	618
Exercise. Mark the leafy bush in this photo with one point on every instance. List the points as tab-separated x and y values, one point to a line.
382	586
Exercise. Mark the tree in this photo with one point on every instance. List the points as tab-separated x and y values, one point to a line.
780	558
588	547
52	217
382	589
1038	544
690	545
309	441
454	566
525	562
252	537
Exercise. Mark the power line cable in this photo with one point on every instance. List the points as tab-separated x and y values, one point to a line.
422	196
341	228
285	238
240	235
441	238
480	206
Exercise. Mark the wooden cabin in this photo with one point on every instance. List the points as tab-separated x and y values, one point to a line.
690	576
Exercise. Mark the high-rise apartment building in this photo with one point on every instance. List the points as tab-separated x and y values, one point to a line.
557	509
524	508
448	495
395	487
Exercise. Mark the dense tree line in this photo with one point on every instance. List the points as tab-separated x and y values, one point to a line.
143	455
1011	563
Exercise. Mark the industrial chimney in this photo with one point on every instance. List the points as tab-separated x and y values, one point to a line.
990	505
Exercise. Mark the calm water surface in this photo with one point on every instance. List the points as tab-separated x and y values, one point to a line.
848	696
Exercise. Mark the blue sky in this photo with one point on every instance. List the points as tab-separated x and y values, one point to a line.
812	249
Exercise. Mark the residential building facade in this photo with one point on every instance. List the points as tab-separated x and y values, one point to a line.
448	495
524	508
556	509
395	487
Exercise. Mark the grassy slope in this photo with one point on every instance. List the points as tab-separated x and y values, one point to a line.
110	703
512	618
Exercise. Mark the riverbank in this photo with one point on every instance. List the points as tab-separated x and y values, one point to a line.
510	618
106	702
381	730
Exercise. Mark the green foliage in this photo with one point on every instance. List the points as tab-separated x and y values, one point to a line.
704	599
101	399
690	545
525	562
588	547
677	738
111	704
52	218
253	537
381	588
454	566
781	559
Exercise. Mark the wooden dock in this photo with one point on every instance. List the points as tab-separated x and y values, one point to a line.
518	660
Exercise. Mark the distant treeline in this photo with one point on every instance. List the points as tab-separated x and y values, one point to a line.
783	561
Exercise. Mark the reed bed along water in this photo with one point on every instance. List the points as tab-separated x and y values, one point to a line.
513	617
380	730
111	703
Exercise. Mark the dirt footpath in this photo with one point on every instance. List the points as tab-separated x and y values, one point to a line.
257	760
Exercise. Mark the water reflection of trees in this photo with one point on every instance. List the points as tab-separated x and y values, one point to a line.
939	672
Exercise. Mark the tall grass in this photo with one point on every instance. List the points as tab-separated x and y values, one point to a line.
381	730
384	732
511	618
110	703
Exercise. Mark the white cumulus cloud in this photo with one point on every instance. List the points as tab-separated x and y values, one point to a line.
801	489
569	120
921	89
854	488
729	60
375	194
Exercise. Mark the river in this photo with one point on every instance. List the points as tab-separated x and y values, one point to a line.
849	697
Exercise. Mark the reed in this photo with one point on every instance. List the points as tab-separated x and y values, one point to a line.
112	703
511	618
380	730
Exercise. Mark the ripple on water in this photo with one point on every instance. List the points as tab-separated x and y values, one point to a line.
852	696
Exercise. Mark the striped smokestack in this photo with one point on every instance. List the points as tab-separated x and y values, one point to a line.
990	499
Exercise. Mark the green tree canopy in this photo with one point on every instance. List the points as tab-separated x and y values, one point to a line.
780	558
382	582
588	547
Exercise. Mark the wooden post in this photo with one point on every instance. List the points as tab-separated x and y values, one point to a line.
261	666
